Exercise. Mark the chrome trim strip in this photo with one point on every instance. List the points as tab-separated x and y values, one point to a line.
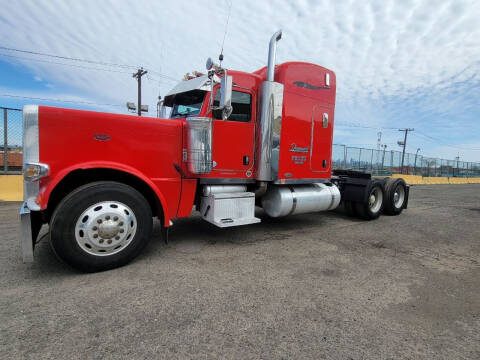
300	181
26	234
31	151
228	181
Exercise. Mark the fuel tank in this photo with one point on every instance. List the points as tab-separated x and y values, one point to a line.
283	200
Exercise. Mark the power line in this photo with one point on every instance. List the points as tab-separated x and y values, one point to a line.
58	63
436	140
89	61
364	126
159	74
69	58
57	100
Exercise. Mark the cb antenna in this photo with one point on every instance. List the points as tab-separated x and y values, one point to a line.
220	57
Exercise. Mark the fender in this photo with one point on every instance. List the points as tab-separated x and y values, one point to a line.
50	183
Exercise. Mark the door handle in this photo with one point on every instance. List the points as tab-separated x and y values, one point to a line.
246	160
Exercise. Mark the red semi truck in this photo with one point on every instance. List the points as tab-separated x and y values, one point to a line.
233	141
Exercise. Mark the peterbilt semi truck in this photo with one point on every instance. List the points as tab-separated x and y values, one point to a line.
233	141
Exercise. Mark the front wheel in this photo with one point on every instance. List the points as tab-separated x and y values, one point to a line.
101	226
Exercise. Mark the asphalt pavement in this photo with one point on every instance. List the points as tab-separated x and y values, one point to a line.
316	286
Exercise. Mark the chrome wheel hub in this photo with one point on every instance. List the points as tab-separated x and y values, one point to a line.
399	197
105	228
375	200
108	229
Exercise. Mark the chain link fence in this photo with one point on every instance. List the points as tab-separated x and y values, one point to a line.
11	151
382	162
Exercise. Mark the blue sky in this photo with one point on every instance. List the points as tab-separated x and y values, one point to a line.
399	64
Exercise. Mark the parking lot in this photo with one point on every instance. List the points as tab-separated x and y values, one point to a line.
317	286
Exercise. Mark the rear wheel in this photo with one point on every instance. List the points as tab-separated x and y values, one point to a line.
101	226
396	196
372	209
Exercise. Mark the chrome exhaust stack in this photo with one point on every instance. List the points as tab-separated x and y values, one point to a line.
272	54
270	115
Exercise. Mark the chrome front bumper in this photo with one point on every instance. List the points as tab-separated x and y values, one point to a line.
28	243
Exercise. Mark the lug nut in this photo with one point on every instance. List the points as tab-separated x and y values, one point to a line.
117	237
121	223
107	217
95	236
99	221
115	218
94	228
109	241
121	230
101	241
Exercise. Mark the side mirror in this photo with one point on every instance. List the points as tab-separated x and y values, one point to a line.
226	92
226	96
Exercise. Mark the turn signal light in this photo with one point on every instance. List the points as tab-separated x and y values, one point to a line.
35	171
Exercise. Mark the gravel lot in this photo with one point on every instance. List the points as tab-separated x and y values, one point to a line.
317	286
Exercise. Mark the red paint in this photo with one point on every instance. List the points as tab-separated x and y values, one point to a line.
303	106
142	146
148	148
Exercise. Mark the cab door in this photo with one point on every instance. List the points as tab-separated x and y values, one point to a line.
321	139
233	138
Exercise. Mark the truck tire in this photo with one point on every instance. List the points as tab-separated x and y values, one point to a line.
350	208
395	196
372	208
100	226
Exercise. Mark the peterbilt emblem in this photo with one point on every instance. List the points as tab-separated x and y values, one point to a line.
295	148
101	137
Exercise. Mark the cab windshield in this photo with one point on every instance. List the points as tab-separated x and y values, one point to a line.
188	103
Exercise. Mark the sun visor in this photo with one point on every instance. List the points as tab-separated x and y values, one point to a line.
198	83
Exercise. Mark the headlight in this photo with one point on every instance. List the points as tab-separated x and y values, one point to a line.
34	171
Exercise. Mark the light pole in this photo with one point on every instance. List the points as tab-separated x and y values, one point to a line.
383	157
458	159
415	163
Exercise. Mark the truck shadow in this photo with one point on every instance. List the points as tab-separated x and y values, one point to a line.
192	234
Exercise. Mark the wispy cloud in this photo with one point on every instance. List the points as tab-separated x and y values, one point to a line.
398	63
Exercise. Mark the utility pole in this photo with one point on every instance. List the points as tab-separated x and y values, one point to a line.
404	143
140	72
